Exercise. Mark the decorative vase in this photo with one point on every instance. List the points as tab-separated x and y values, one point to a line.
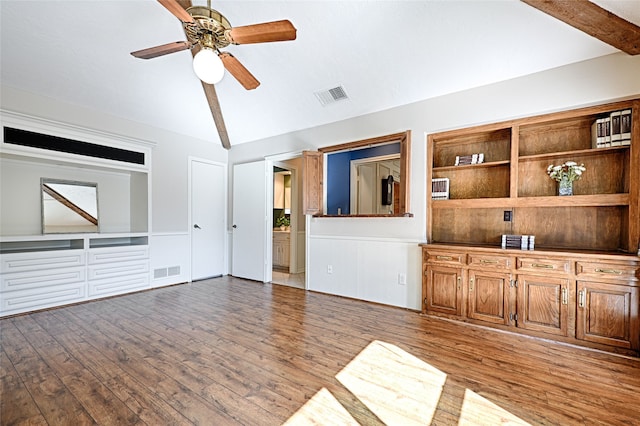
565	187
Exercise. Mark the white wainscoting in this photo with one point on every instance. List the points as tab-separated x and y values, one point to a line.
170	258
369	269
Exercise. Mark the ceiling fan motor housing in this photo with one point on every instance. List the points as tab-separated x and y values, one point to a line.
210	28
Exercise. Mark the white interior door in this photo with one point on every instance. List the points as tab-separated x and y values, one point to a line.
250	221
208	210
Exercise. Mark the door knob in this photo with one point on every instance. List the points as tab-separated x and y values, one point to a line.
234	226
196	226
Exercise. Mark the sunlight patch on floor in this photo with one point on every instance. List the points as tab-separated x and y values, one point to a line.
399	389
322	409
477	410
394	384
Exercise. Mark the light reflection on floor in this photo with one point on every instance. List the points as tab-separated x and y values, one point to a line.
285	278
399	389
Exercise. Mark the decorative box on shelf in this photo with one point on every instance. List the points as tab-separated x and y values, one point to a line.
440	188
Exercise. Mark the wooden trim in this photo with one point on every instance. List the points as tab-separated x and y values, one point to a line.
634	179
403	136
312	180
515	152
430	145
592	19
531	120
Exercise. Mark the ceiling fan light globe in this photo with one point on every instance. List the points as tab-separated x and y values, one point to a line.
208	66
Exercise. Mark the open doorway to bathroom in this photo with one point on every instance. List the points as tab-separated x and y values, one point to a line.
288	244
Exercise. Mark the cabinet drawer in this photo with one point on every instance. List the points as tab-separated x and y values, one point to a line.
19	262
118	254
490	261
607	270
42	279
118	285
39	298
118	269
533	264
445	257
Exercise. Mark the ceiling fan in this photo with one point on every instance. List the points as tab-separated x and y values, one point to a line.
208	31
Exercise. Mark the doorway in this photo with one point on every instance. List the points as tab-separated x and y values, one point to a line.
288	224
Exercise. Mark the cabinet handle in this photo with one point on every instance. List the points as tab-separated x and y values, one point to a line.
542	265
471	284
444	257
459	281
492	262
565	296
609	271
581	299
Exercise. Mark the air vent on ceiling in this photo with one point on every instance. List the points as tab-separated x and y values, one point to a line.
330	96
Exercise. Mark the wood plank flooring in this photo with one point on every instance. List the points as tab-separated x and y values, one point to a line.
230	351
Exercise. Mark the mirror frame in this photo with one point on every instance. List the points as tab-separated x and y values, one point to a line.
94	185
315	181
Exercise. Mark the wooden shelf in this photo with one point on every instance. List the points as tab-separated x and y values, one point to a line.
470	166
602	215
579	152
598	200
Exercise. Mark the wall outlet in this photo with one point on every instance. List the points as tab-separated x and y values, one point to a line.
402	279
508	215
329	269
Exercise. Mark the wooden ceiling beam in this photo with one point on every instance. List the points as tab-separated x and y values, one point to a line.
593	20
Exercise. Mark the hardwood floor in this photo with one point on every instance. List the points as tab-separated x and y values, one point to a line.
229	351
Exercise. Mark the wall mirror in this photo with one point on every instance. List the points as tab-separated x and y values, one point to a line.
69	206
363	178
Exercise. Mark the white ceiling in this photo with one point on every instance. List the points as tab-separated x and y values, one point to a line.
384	54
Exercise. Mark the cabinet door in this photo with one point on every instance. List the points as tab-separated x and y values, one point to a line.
543	304
443	290
608	314
488	296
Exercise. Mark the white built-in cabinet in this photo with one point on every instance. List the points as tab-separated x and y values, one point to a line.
281	248
39	271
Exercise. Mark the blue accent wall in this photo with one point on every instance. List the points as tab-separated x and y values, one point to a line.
339	174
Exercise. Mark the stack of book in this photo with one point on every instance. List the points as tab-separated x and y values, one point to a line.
462	160
522	242
612	130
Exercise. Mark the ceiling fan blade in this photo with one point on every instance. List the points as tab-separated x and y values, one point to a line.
262	33
177	10
164	49
211	95
238	70
216	112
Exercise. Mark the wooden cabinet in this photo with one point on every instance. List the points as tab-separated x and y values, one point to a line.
590	299
580	283
488	296
543	304
608	314
444	292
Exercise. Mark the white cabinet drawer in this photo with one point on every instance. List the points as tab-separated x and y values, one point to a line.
41	260
38	298
97	272
117	254
41	279
118	285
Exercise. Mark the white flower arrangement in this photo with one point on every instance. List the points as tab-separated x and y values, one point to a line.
569	170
